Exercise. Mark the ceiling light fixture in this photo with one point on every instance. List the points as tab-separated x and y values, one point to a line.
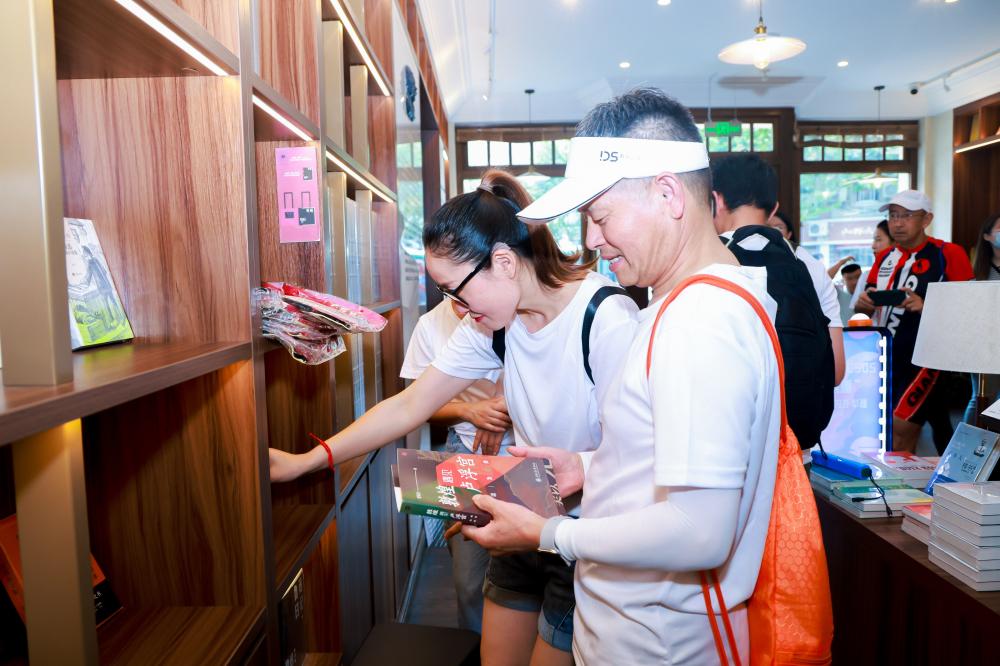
663	3
843	63
624	64
531	177
762	49
877	179
159	26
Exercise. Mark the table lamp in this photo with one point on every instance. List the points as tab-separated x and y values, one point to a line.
960	331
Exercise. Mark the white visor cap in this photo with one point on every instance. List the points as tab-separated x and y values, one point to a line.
595	164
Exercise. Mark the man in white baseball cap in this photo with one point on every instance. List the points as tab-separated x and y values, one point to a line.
908	266
684	476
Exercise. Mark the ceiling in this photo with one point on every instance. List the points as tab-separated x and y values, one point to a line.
569	52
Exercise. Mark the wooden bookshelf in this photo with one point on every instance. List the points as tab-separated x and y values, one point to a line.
158	120
975	166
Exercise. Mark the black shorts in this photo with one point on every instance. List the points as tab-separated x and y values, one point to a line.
917	393
534	582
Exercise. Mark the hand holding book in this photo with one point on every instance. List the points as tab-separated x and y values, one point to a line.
567	465
513	529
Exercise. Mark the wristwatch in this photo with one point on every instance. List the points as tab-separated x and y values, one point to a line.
547	541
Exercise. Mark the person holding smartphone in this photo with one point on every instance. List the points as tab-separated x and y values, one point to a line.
894	297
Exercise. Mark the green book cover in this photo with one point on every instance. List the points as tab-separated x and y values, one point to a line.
442	485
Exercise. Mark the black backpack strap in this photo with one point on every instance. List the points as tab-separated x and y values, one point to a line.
499	343
588	322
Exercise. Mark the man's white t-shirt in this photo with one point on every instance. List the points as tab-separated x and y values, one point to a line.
823	285
551	400
430	335
708	416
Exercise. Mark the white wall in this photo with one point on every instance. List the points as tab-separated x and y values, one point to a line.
934	169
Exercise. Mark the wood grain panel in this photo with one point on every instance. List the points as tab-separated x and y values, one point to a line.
322	597
387	238
151	162
378	30
382	509
382	139
392	353
974	173
298	263
299	401
297	531
177	635
289	51
355	570
219	17
173	495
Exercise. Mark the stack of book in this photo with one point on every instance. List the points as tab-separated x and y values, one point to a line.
823	479
965	533
912	469
917	521
865	500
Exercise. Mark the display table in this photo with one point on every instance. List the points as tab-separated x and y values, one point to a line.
891	605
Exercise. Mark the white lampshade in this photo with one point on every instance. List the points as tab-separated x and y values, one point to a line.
761	50
960	328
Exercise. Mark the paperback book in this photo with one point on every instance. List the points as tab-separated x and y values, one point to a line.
96	315
981	581
969	529
942	536
912	469
982	499
442	485
971	455
921	533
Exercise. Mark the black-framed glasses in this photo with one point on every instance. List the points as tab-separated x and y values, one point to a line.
453	293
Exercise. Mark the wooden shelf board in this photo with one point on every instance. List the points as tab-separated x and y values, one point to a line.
108	376
353	55
353	184
350	472
297	529
993	141
178	635
322	659
267	128
97	39
385	306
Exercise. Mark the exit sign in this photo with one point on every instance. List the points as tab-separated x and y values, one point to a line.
724	128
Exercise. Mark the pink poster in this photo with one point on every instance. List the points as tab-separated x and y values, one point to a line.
298	195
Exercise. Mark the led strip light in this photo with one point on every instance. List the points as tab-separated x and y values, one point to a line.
159	26
358	177
269	110
359	43
979	145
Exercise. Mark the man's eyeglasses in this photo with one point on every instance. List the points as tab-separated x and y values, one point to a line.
453	293
905	214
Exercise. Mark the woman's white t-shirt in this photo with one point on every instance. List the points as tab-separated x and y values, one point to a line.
708	416
430	336
551	400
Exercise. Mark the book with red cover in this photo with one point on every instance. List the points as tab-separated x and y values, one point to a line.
442	485
106	603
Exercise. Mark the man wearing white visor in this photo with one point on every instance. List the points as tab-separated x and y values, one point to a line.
683	479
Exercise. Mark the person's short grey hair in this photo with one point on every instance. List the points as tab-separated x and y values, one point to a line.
649	113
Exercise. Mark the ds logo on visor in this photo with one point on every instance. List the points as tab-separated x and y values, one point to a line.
609	156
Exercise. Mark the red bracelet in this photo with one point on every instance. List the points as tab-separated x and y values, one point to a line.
326	447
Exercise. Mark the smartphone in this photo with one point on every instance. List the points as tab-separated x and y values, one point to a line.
889	297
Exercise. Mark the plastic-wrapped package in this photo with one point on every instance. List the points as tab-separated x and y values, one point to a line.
309	339
355	318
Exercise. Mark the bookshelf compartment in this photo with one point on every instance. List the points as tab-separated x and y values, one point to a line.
297	532
219	17
173	495
98	39
289	51
151	162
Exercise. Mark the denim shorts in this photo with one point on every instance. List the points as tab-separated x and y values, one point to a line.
534	582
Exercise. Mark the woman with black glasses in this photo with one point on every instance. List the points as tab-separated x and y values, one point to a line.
513	278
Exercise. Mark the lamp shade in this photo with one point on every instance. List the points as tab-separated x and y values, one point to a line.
960	328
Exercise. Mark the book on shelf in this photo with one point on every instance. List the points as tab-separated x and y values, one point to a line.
912	469
96	315
442	485
970	529
981	499
919	513
106	603
291	623
971	455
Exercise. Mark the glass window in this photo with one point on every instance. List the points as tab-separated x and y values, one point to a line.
499	153
542	152
477	154
418	155
763	137
833	154
839	211
812	153
874	154
853	138
741	143
853	154
520	153
701	130
561	151
894	153
718	144
565	229
470	185
404	155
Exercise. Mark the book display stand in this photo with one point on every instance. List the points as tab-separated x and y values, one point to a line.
159	121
